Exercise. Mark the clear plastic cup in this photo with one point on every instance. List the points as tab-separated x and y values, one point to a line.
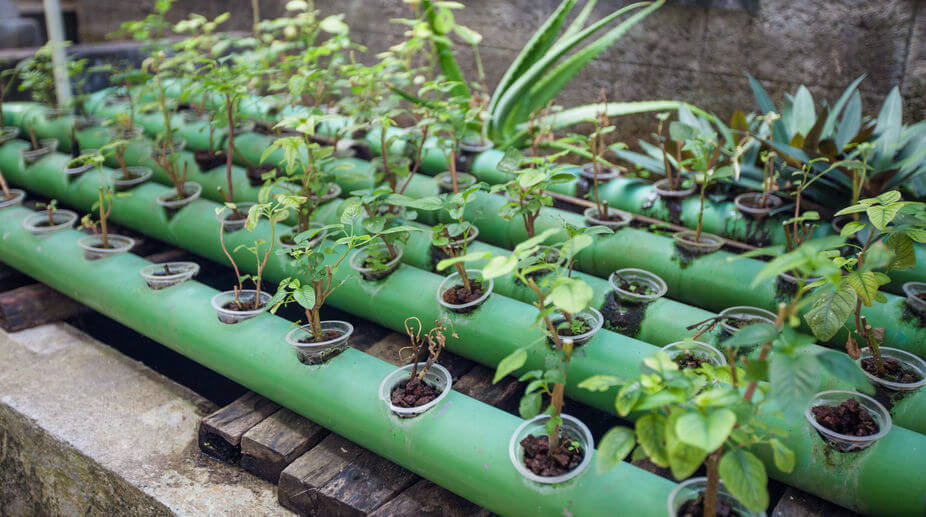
168	199
139	175
233	225
698	349
369	274
639	276
245	295
311	243
592	317
772	202
843	442
8	133
445	182
912	290
690	489
437	377
663	190
49	145
176	272
536	426
912	362
454	280
475	147
333	192
745	313
605	173
127	134
471	235
16	198
38	223
593	219
318	352
177	145
94	250
78	169
708	243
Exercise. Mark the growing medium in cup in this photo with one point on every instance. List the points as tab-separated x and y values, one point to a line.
848	421
417	387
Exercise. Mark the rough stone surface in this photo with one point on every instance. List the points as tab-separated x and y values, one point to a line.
86	431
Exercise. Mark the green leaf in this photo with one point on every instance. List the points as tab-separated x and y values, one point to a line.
842	367
305	296
705	431
499	266
511	161
757	334
865	284
851	228
782	455
744	476
572	295
530	405
510	363
793	380
615	445
850	123
651	435
881	216
627	397
468	35
684	459
830	310
803	114
756	370
599	383
904	252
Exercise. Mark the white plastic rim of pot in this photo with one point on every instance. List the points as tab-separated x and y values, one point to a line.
445	182
471	235
334	191
912	362
468	146
844	442
16	198
537	426
49	145
189	116
653	281
793	280
82	122
179	144
79	169
178	272
662	188
139	174
593	219
233	225
8	133
708	243
745	312
229	316
38	223
454	280
912	289
696	348
314	350
357	258
592	317
311	243
168	199
51	112
605	173
437	377
93	246
690	489
754	211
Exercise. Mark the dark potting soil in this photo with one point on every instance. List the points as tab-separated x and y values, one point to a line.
894	371
611	218
250	305
326	336
756	202
413	393
635	288
208	160
458	295
921	296
376	262
236	215
687	360
848	418
742	322
580	326
538	459
695	508
255	174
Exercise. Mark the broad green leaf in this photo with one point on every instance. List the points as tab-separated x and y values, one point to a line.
684	459
881	216
842	367
830	310
511	161
782	455
627	398
706	431
850	123
305	296
651	435
599	383
510	363
334	25
615	445
904	252
803	114
572	295
851	228
499	266
793	380
744	476
530	405
756	334
865	284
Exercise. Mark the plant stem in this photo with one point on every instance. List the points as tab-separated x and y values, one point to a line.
104	237
701	210
5	187
453	170
231	146
874	347
713	484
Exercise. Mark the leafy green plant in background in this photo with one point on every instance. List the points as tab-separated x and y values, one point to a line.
528	191
259	249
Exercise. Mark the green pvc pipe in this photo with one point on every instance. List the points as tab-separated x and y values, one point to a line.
341	395
487	335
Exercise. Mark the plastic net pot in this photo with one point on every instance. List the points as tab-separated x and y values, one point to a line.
82	122
571	427
472	233
138	175
690	489
909	362
160	152
469	149
700	350
8	133
16	198
445	181
604	173
592	318
30	156
916	297
843	442
592	218
234	219
650	286
379	272
454	280
94	250
122	133
437	377
74	170
334	190
55	113
744	315
662	189
169	200
287	240
162	276
317	352
245	296
750	204
708	243
38	223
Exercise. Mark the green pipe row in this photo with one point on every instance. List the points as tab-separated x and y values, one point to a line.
341	395
491	333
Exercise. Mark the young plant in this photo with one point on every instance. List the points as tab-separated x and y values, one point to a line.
104	203
50	209
528	191
597	146
380	219
428	348
259	249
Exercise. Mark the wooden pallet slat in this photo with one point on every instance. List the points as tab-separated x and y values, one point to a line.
270	446
220	433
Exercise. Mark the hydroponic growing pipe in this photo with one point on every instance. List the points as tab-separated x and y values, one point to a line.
494	331
341	395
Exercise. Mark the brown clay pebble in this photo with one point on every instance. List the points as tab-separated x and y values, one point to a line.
848	418
458	295
538	459
894	371
413	393
695	508
689	361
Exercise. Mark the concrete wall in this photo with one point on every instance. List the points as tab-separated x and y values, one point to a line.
684	51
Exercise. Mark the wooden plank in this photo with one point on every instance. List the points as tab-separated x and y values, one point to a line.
477	384
300	481
424	498
268	447
33	305
220	433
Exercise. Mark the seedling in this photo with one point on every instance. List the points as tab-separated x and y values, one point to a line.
50	209
528	191
259	249
415	392
104	203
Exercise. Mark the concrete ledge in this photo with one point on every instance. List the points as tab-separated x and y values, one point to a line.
86	430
